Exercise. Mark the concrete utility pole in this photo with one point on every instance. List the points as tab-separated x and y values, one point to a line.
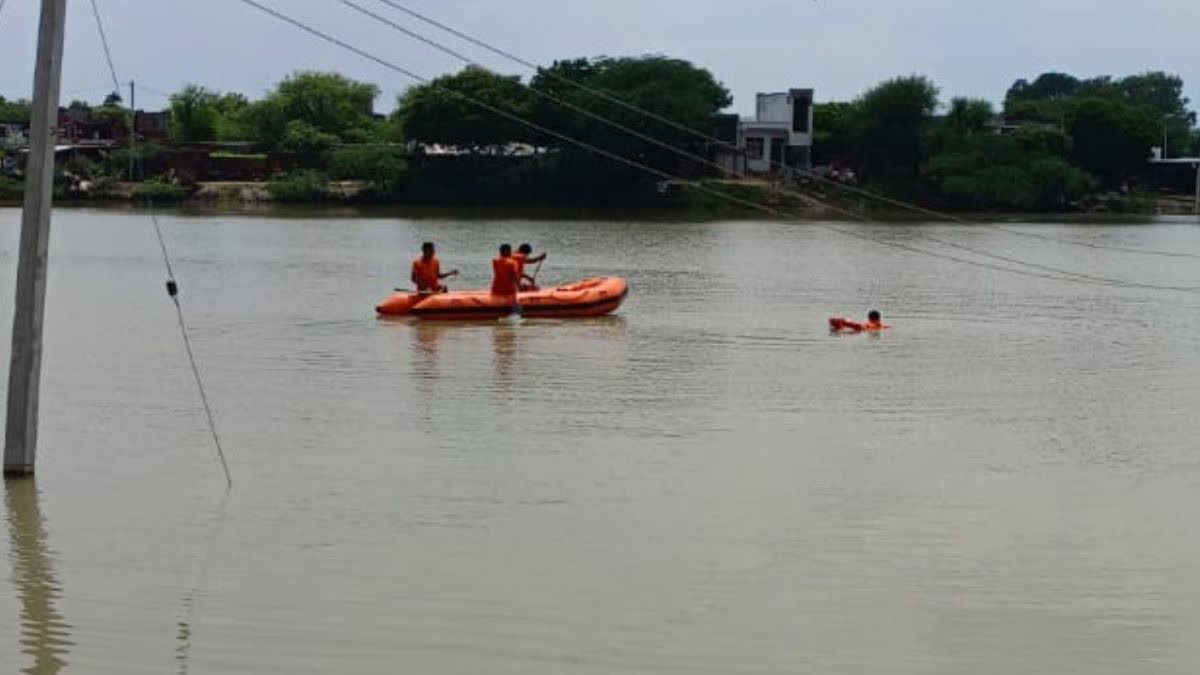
24	377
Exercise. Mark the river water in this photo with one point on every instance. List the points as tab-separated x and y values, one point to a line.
707	482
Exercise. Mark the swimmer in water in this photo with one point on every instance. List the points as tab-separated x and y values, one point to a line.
874	324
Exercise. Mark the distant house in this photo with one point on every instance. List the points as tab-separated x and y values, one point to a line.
153	125
13	136
83	125
777	138
78	124
1179	175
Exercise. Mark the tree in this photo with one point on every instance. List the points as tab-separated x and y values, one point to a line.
328	102
970	115
378	164
115	115
1044	99
1047	87
194	114
441	112
833	132
1162	95
231	122
14	112
1110	139
893	119
300	136
990	171
113	100
668	88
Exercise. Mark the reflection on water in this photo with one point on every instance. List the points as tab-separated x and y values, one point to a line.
505	349
183	634
45	636
185	628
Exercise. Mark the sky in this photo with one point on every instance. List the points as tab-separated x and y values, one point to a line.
837	47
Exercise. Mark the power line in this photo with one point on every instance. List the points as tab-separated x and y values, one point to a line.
546	95
709	138
552	75
104	41
173	288
1058	275
154	91
963	221
707	162
173	291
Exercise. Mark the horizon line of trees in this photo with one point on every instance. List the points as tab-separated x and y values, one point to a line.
1055	140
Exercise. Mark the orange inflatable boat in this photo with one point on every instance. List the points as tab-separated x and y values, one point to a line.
590	297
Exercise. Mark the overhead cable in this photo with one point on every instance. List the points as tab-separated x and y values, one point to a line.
709	138
1060	275
711	164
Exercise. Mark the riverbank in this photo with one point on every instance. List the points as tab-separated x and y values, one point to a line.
674	200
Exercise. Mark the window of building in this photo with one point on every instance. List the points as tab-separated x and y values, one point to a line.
800	109
755	146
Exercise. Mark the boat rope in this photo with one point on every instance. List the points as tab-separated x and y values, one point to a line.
713	140
107	52
1106	281
173	292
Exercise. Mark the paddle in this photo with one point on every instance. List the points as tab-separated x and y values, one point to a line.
537	270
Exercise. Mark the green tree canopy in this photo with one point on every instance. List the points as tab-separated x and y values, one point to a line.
970	115
194	114
440	112
833	132
1047	87
14	112
1110	139
231	123
1050	99
330	103
300	136
893	120
669	88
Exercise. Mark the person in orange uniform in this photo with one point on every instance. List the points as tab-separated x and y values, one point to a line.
874	324
427	271
524	256
506	275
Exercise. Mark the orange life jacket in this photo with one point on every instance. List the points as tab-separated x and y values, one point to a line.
427	274
505	279
520	259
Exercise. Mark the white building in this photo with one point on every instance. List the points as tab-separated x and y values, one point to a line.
779	136
12	136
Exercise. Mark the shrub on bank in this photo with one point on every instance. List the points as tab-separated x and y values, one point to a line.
300	186
378	164
11	189
160	191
